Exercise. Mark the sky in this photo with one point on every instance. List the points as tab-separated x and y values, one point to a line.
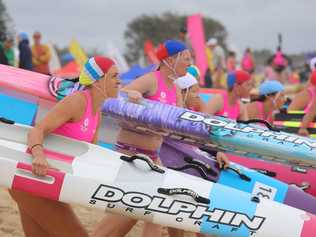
250	23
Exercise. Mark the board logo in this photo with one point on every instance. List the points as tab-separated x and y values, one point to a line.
180	210
233	126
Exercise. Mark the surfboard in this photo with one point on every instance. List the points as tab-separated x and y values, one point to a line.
291	122
213	131
55	88
99	178
192	160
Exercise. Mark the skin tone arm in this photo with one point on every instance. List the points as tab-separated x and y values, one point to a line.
63	112
139	87
252	110
299	101
96	135
243	112
307	119
179	99
221	157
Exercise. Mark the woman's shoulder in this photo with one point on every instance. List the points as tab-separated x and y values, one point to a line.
78	95
76	99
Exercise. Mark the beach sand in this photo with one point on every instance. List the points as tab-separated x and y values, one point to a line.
10	225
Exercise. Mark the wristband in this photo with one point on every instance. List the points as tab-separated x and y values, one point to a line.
35	145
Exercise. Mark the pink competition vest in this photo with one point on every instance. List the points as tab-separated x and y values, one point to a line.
260	108
83	130
247	63
311	91
229	111
164	94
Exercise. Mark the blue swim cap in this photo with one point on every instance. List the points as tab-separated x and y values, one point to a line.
174	47
23	36
170	48
270	87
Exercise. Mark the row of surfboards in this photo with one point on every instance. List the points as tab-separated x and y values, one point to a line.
150	200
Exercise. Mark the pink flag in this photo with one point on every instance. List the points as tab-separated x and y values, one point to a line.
197	38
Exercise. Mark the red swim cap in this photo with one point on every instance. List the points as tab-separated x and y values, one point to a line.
238	76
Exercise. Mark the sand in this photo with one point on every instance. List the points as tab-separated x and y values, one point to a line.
10	225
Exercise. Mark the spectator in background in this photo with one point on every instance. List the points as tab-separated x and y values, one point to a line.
218	61
3	58
40	55
248	62
306	70
279	63
183	37
231	61
208	80
183	34
8	51
25	53
312	64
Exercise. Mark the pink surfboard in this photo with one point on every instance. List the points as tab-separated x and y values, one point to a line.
32	83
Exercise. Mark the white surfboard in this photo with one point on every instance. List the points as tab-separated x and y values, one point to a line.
96	177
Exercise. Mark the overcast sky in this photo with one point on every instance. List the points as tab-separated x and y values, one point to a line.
253	23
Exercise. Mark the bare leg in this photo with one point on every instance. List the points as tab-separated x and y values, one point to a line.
30	227
173	232
55	218
113	225
152	230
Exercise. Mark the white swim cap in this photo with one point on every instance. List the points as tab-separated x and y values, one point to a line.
186	81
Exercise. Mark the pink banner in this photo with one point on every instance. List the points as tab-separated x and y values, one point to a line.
196	35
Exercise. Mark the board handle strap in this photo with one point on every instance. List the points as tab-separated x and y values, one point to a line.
184	191
145	158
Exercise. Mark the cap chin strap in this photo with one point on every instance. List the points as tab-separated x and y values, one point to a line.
103	92
186	96
173	69
100	90
276	97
